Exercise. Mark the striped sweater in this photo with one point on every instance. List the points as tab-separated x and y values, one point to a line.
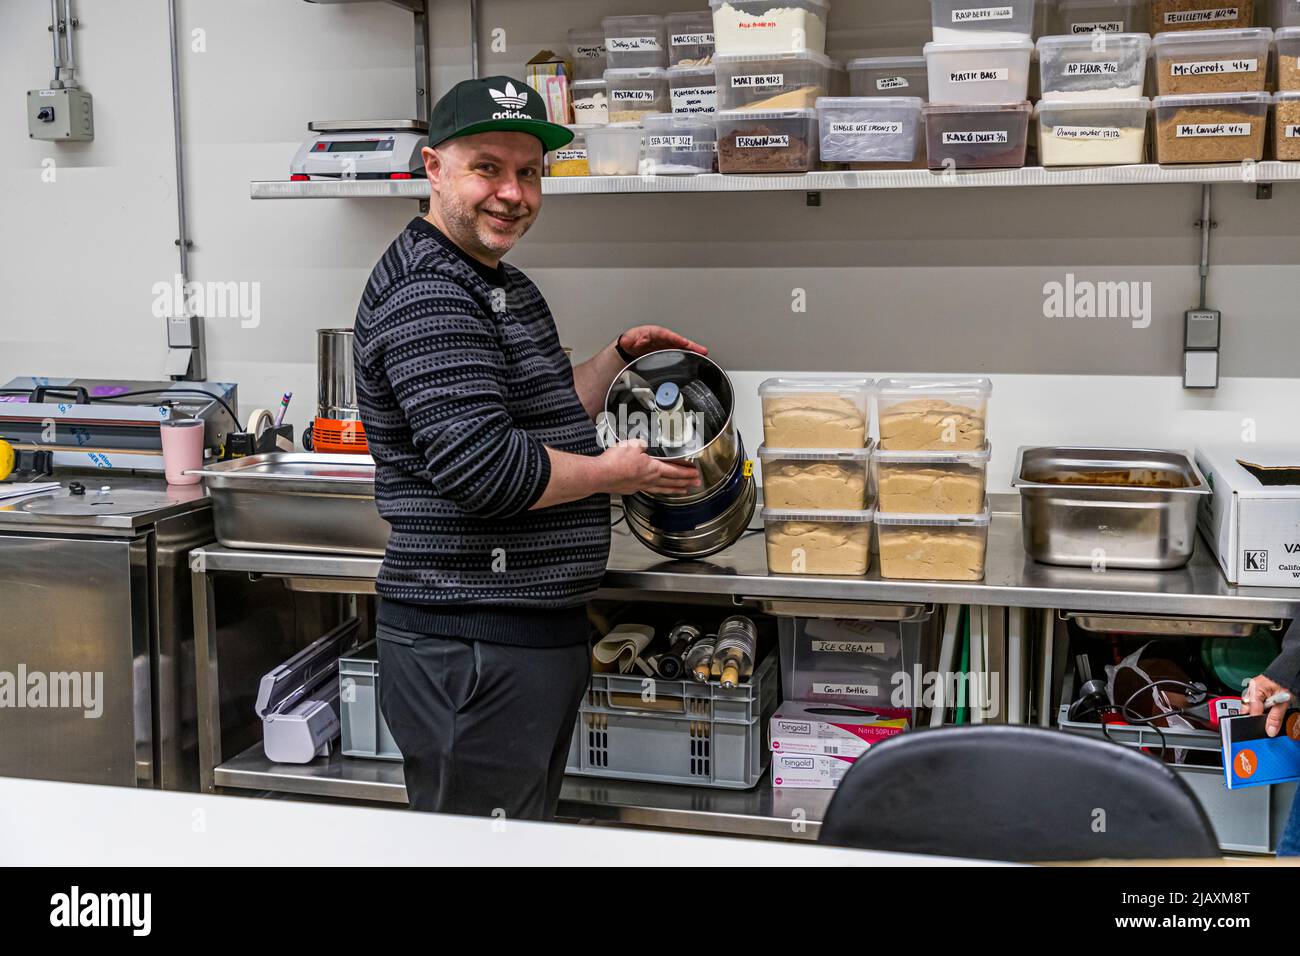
461	383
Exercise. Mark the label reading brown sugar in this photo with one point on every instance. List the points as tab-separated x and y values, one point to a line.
762	142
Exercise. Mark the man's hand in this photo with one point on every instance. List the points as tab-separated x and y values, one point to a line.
1259	690
651	338
629	469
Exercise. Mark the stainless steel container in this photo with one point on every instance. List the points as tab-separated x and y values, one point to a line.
681	404
336	378
297	502
1108	507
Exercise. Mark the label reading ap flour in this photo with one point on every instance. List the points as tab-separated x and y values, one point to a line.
1102	68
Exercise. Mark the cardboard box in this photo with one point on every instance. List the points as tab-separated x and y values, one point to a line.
800	727
1252	520
808	771
548	74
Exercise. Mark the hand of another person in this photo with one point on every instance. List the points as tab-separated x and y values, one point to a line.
631	470
651	338
1259	690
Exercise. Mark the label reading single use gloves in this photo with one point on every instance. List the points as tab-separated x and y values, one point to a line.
867	129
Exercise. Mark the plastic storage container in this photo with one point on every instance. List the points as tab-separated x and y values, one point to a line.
933	547
690	38
766	81
1107	67
1211	127
808	541
571	160
1074	133
932	413
931	482
701	735
1076	17
1286	126
639	41
979	72
815	412
889	76
363	728
769	26
678	145
1212	61
965	21
1201	14
1286	13
1287	41
976	137
762	141
590	102
693	90
633	93
869	129
839	661
816	478
614	150
587	54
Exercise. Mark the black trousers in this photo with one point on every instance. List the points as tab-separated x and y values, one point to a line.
484	728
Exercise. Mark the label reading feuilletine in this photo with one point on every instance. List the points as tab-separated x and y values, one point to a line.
762	142
979	14
1213	129
977	137
1217	15
977	76
892	83
867	128
1101	68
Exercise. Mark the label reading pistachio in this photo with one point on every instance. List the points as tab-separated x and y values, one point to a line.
633	96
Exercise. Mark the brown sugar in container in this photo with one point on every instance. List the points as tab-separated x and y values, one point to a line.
1212	61
1211	128
1286	126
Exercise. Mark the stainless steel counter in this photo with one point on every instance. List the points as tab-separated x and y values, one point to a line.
173	500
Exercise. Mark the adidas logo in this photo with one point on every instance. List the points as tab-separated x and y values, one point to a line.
510	99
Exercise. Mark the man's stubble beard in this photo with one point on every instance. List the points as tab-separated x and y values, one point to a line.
463	220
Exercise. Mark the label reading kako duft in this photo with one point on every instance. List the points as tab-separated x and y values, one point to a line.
1217	15
692	39
892	83
1098	26
848	647
1086	132
763	142
978	76
673	141
1099	68
985	137
1213	129
1207	67
980	14
695	99
757	81
632	44
866	128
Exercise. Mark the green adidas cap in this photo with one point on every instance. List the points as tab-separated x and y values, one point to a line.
492	104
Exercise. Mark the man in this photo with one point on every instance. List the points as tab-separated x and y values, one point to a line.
489	472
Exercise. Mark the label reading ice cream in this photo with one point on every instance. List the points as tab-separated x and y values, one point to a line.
632	44
979	14
977	137
848	647
1213	129
1098	26
846	690
892	83
633	96
670	141
1102	68
1204	67
1217	15
692	39
1086	132
978	76
762	142
695	99
564	155
757	81
867	129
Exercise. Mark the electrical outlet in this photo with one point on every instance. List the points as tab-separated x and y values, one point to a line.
62	115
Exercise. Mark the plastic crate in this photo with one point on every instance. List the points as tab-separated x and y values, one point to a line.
675	731
842	661
364	730
1249	819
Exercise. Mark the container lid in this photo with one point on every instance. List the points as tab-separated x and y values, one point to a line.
793	56
1069	106
1023	107
827	516
578	34
815	454
614	127
703	16
1213	99
980	520
978	46
1286	96
924	384
869	102
587	84
973	456
680	121
813	386
637	73
1066	4
736	115
583	127
635	18
746	6
886	62
1195	38
1286	33
1086	41
676	72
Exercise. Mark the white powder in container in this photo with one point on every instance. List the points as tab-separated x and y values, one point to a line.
775	30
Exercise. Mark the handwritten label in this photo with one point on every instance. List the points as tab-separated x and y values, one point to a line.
867	129
1213	129
633	96
848	647
892	83
980	14
692	39
1291	132
978	76
846	690
674	142
632	44
762	142
1098	26
566	155
1218	15
977	137
1100	68
695	99
757	81
1086	132
1204	67
590	52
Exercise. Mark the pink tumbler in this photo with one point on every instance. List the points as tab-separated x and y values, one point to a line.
182	448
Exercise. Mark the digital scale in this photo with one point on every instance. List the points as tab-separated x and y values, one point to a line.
361	149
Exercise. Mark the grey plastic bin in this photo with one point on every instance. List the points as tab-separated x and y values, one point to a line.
365	732
706	735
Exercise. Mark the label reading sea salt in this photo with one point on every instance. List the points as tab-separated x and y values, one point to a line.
977	137
867	129
695	99
892	83
1218	15
846	690
1098	26
1086	132
757	81
632	44
978	76
666	141
1204	67
762	142
1102	68
564	155
1213	129
848	647
692	39
979	14
633	96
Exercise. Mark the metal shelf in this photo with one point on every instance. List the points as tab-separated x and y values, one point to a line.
1147	174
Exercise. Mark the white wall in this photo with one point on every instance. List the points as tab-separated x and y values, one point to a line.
934	281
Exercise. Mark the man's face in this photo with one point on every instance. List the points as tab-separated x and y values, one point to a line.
486	189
